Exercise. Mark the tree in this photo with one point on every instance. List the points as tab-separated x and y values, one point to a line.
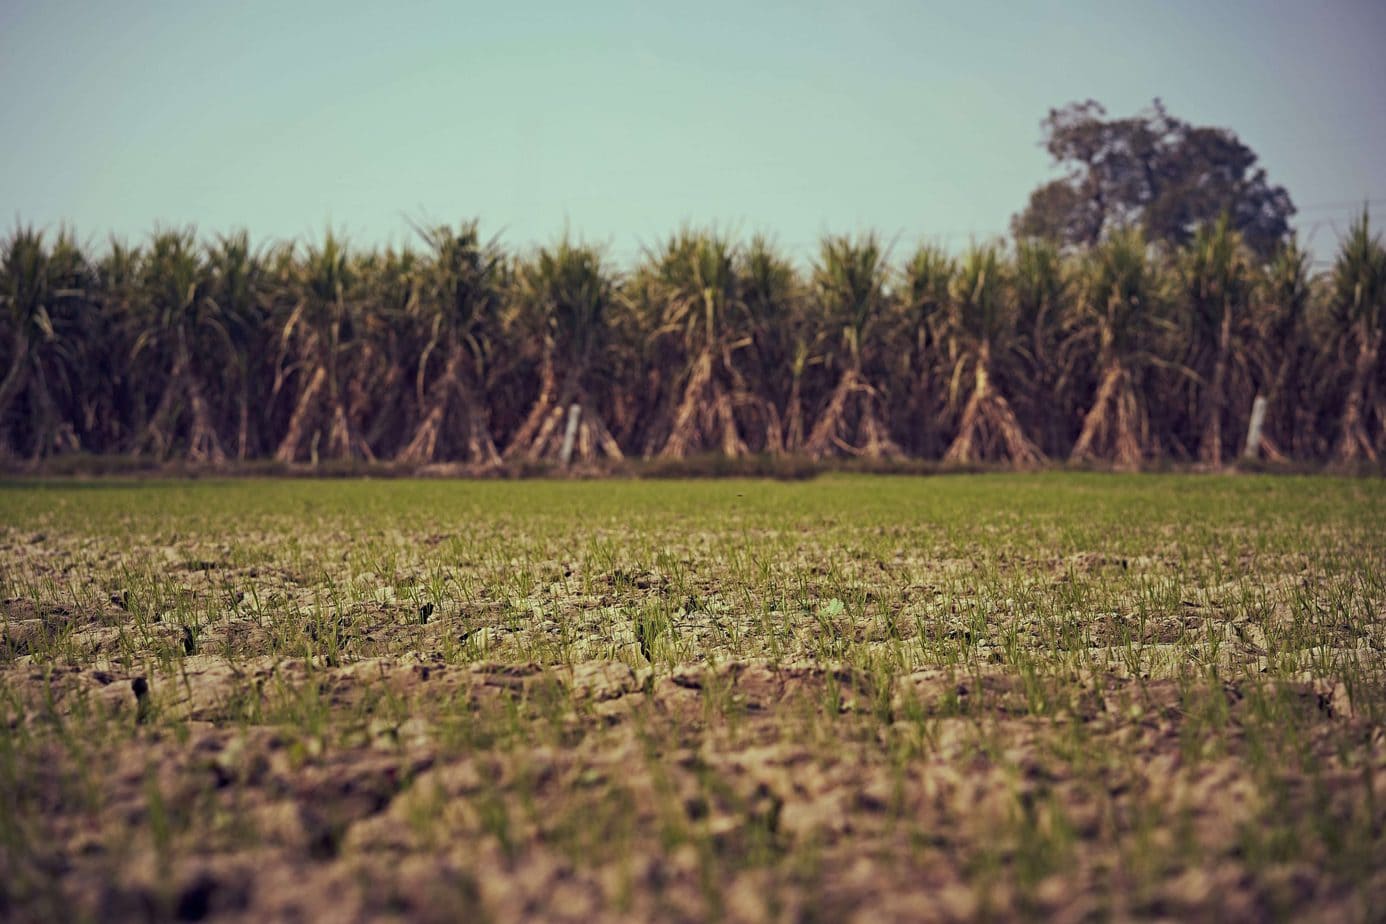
1155	171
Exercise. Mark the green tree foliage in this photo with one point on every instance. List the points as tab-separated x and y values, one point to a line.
1153	170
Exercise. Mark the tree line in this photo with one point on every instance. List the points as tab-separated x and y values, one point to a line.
1123	351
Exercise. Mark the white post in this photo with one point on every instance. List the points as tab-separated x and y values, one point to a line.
1253	430
565	455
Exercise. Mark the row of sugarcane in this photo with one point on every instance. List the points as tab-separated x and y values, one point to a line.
454	350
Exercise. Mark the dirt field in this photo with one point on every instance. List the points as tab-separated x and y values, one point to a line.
1060	696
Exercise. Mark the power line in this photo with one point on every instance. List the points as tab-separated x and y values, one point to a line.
1346	204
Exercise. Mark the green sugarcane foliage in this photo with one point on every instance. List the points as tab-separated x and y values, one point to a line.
1120	313
980	315
1284	293
1222	361
699	296
1042	289
566	296
1357	315
980	338
850	282
462	294
388	286
919	401
44	291
699	290
1114	354
457	307
784	342
567	292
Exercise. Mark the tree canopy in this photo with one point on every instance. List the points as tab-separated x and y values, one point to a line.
1153	170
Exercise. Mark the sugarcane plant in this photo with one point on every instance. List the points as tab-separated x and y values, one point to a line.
924	299
1116	353
565	294
1223	362
108	402
849	288
236	299
183	345
782	343
458	307
1117	320
1283	293
44	293
386	345
1357	313
1041	288
700	306
981	337
317	338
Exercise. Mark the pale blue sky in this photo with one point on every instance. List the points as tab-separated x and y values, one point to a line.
624	120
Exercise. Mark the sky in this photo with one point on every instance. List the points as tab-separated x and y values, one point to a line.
620	122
